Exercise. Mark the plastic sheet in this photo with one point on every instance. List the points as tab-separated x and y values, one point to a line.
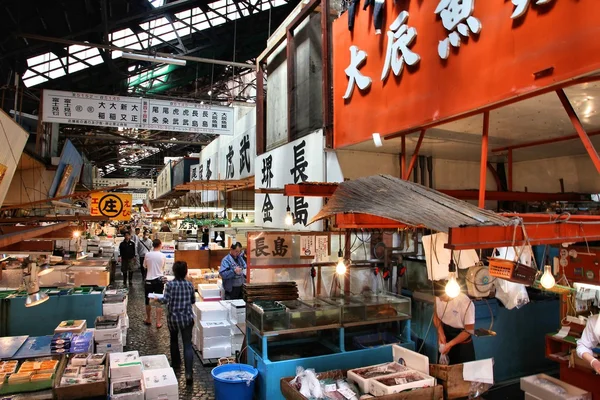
237	376
512	295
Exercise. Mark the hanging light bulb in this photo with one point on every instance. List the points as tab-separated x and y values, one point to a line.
547	281
247	219
452	287
76	234
341	268
289	218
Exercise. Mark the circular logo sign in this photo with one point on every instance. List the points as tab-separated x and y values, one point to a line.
110	206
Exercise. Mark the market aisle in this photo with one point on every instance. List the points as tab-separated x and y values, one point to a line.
148	340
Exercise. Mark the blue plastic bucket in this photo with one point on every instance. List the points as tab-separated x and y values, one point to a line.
238	389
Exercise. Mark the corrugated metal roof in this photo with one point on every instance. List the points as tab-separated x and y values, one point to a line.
406	202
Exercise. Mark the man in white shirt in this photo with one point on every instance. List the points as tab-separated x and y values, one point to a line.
154	263
144	246
590	338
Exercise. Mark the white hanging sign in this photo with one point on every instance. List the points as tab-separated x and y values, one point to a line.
135	113
299	161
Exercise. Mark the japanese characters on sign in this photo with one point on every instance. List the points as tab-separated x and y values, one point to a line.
163	181
113	206
307	246
236	155
14	138
447	57
299	161
521	6
271	246
129	112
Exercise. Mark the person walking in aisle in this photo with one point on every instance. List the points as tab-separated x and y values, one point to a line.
233	272
154	263
179	297
144	246
127	253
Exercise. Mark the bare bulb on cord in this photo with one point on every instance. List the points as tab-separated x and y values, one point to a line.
547	281
452	287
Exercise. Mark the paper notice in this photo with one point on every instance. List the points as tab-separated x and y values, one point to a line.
307	246
564	331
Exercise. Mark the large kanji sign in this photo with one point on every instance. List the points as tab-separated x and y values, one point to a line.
443	59
114	206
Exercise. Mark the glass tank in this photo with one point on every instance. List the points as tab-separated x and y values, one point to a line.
267	316
352	311
325	313
384	306
301	315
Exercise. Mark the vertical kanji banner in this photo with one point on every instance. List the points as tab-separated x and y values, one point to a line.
113	206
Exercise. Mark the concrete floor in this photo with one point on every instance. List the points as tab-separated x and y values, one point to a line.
148	341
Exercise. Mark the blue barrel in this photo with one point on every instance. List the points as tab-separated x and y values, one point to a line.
236	381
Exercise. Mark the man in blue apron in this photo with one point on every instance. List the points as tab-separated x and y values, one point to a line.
455	323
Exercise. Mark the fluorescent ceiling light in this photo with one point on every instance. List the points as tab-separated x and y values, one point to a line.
144	57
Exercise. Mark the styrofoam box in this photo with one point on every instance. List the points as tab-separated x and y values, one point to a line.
124	337
195	334
139	395
214	328
124	321
365	383
531	386
208	290
210	311
114	308
109	347
161	384
379	389
158	361
237	310
215	341
216	352
125	366
112	334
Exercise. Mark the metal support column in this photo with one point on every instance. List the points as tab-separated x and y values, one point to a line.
403	158
510	170
484	156
415	155
585	139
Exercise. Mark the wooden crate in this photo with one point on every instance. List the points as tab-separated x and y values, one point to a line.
431	393
451	378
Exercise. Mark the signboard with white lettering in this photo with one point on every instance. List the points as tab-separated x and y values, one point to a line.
163	181
131	112
299	161
237	155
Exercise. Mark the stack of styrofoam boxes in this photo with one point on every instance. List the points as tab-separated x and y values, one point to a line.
115	303
209	292
126	379
168	249
237	315
108	337
212	334
159	378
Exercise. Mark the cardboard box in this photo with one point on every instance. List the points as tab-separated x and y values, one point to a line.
210	311
214	328
158	361
134	388
535	387
125	366
216	352
79	326
74	392
161	384
380	386
90	278
451	378
109	347
209	291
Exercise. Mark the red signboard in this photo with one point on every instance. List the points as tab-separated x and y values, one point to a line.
436	60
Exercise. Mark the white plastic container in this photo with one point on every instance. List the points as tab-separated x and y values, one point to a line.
125	366
380	386
210	311
161	384
208	290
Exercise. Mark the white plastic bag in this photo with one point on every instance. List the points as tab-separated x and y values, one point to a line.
512	295
444	359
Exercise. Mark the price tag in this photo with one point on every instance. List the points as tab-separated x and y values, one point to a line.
347	392
330	388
